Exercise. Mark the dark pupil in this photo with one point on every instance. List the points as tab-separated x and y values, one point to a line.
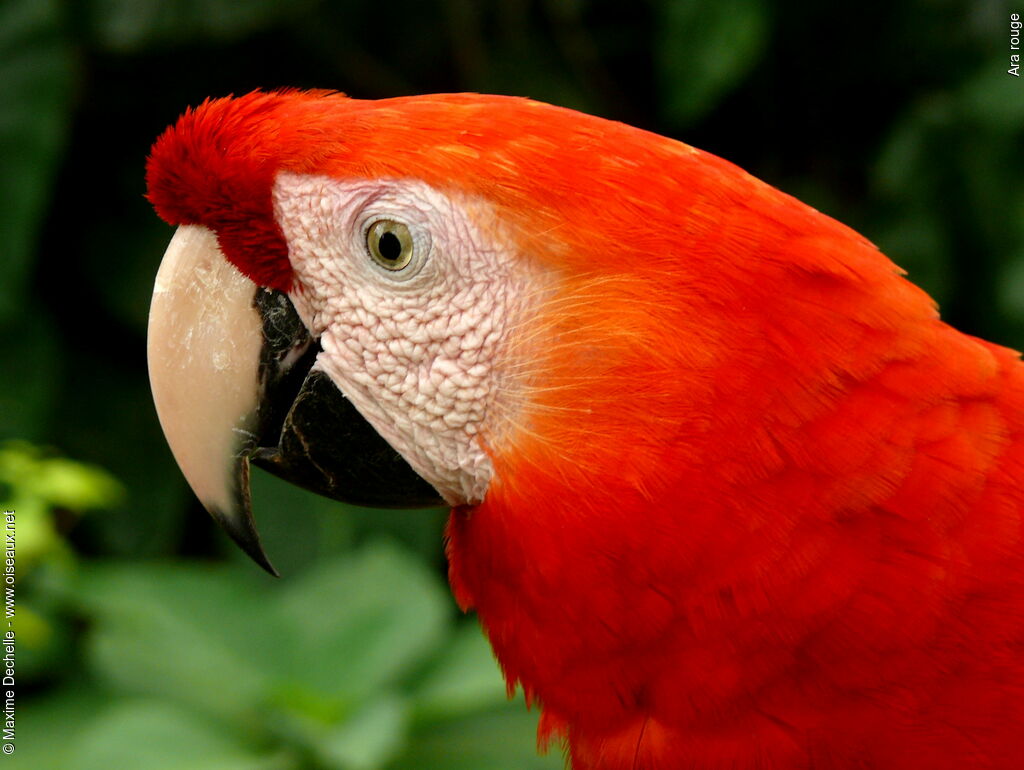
390	247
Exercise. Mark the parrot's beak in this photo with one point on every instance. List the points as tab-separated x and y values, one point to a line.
235	378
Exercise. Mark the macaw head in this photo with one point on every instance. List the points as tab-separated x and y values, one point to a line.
445	298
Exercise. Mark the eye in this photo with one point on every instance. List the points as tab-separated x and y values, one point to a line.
390	244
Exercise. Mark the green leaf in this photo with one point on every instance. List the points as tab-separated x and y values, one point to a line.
36	74
57	481
196	636
44	642
362	622
34	483
465	678
703	50
370	738
73	707
506	738
37	536
150	735
308	658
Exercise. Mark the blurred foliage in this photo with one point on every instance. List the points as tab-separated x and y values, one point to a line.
41	496
724	41
39	488
144	641
356	665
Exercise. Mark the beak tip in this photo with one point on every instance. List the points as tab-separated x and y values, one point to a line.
239	522
242	530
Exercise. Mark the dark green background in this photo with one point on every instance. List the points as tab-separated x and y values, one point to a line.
144	641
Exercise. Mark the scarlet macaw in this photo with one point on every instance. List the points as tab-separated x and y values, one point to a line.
725	490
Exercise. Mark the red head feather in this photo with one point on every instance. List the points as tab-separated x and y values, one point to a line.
548	168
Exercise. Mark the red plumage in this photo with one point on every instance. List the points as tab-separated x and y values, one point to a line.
759	506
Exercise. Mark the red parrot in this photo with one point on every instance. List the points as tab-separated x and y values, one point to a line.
726	492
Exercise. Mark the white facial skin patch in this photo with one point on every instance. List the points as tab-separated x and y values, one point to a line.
414	345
